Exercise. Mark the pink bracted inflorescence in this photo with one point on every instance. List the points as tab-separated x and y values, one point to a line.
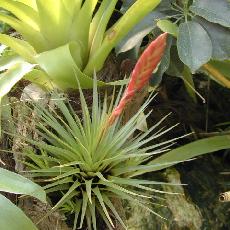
141	73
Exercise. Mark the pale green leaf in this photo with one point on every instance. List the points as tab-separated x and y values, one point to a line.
117	32
31	3
10	212
20	47
168	27
6	62
88	185
59	22
101	27
32	36
96	20
22	12
39	77
135	36
17	184
9	78
63	71
83	18
191	150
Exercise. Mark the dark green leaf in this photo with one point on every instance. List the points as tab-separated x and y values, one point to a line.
175	66
189	83
194	45
222	66
217	11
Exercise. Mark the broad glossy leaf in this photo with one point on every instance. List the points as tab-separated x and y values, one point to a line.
220	37
194	45
12	218
217	11
17	184
63	71
191	150
9	78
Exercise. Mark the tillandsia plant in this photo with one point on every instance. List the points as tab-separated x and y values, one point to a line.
61	39
93	159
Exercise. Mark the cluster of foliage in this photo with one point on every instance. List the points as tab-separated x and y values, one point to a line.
75	42
92	159
199	43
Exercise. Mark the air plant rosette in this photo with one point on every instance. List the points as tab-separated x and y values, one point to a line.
92	159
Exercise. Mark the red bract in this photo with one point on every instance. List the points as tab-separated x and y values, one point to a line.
141	73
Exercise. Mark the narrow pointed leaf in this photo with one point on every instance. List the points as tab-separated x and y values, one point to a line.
194	149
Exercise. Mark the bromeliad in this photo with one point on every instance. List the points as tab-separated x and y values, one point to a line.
62	39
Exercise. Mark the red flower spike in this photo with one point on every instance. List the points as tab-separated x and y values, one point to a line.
141	73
